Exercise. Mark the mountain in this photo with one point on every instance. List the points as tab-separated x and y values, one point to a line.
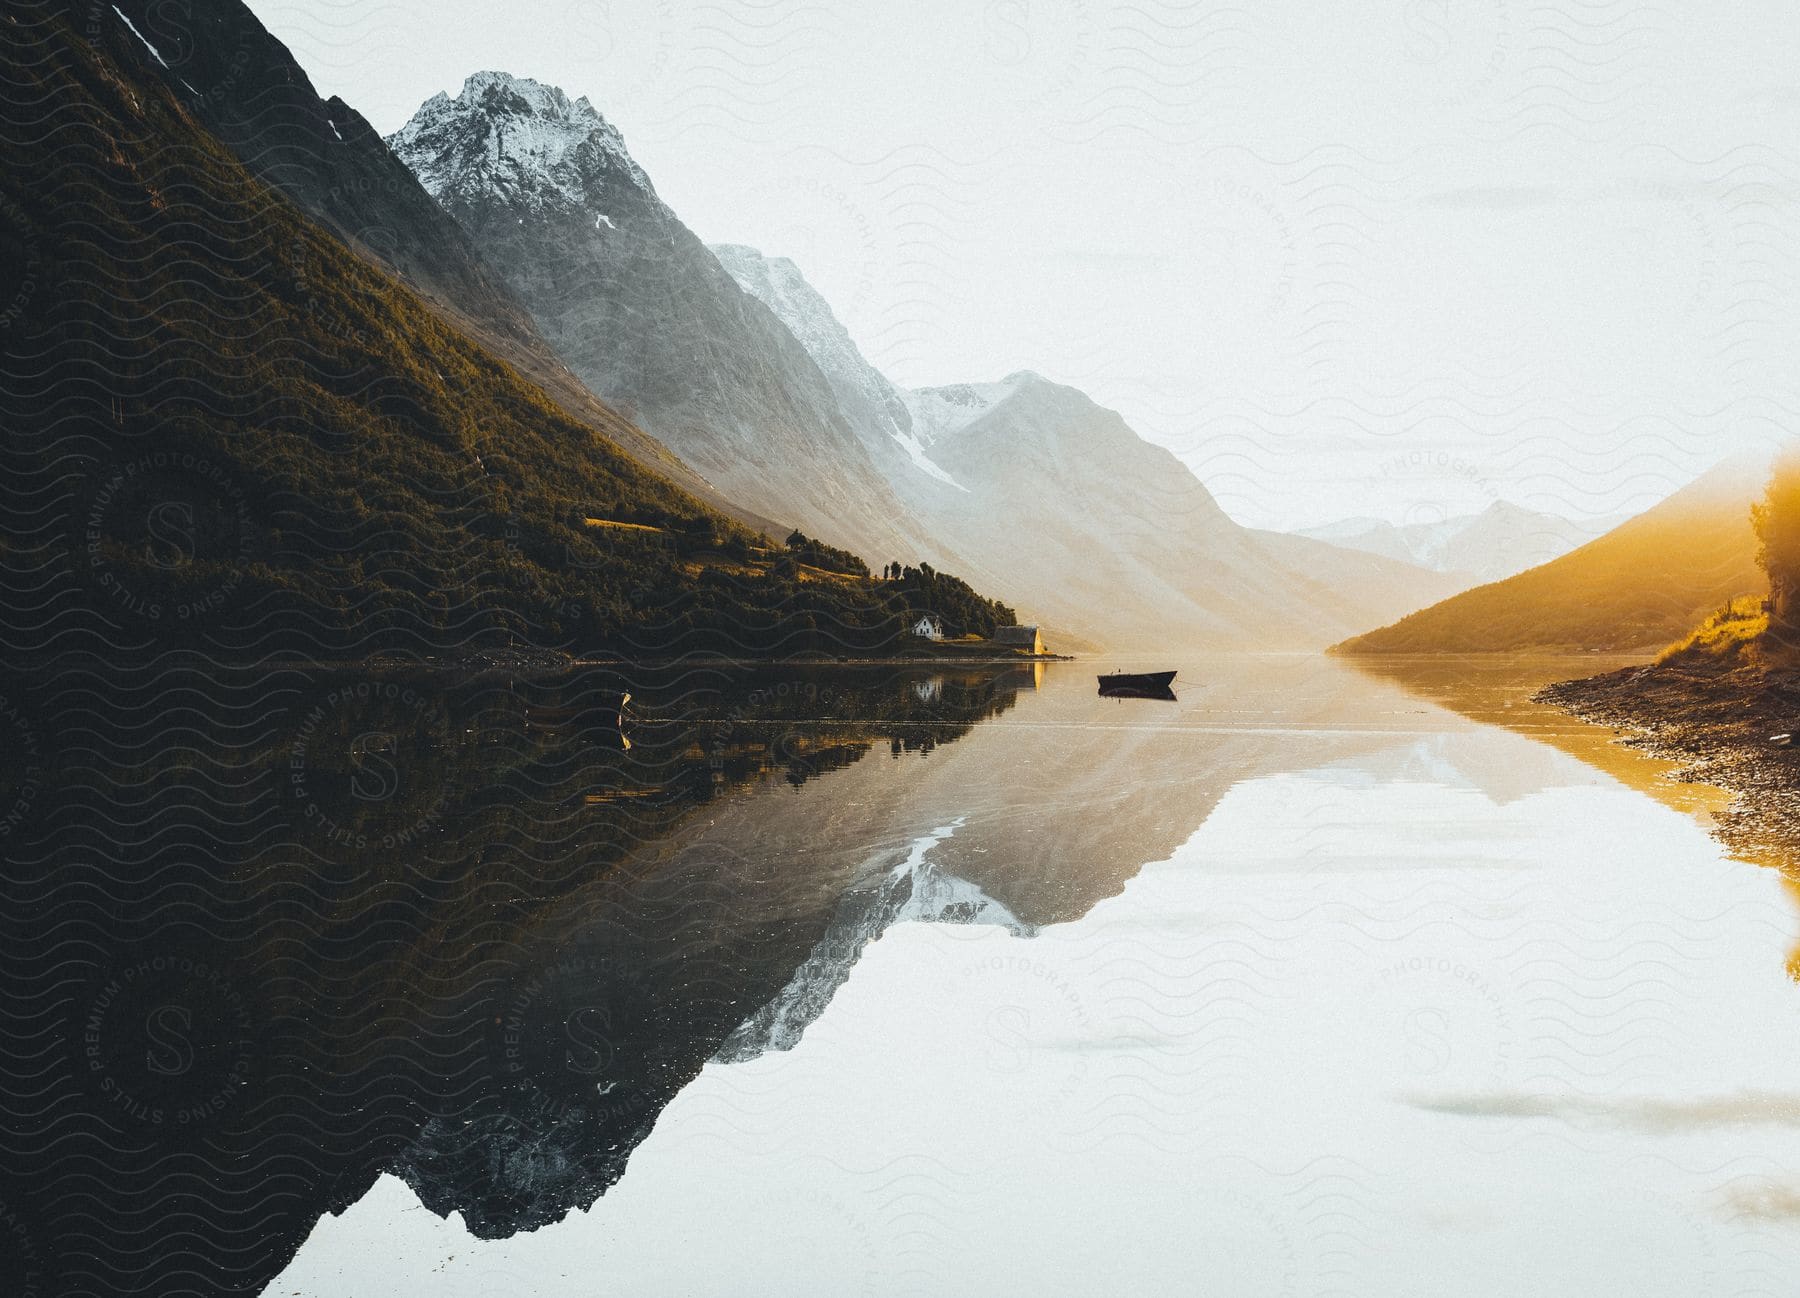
643	313
1047	496
915	890
880	414
1643	584
245	87
1501	540
228	430
385	982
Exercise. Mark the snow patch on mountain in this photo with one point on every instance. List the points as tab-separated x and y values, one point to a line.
154	52
916	452
516	135
940	413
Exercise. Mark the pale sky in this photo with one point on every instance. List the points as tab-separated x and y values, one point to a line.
1386	257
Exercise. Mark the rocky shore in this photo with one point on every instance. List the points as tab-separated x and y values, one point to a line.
1716	717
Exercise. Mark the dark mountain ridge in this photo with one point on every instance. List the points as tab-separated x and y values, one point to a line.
244	85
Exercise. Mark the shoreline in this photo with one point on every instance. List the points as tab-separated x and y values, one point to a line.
524	661
551	661
1714	718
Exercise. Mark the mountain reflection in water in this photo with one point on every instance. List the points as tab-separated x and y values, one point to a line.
277	935
274	933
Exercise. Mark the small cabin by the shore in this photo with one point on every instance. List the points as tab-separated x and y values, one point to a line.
1026	639
928	628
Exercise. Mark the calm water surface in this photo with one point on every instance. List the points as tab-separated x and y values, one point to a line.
1314	982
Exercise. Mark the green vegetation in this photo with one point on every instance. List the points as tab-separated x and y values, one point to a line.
229	432
1724	635
1777	521
829	557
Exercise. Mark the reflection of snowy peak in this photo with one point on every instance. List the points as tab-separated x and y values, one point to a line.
915	890
945	899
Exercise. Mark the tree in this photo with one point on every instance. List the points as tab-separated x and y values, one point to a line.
1777	520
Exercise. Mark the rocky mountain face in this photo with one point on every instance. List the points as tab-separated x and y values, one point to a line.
1501	540
245	86
881	415
1083	524
643	312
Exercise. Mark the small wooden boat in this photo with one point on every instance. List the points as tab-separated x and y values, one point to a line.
1138	685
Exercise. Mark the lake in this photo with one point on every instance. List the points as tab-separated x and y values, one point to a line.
1318	980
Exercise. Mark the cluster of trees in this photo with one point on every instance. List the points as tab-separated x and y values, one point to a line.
952	601
828	557
1777	519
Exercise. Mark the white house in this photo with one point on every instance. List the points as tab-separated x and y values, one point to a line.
929	628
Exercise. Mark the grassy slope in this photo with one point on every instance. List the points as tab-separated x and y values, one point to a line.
228	431
1642	585
1716	699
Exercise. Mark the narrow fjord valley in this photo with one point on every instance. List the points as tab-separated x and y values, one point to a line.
351	472
530	762
735	362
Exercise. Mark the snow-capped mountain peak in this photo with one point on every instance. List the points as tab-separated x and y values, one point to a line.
1501	540
515	135
943	412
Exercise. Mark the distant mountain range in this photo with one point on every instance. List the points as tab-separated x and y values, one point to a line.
1058	503
1645	583
516	217
739	367
1501	540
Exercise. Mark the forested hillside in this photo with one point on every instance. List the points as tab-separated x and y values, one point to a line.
228	431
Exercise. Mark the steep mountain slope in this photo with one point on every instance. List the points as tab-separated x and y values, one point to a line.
227	431
1501	540
880	414
642	312
1084	525
1644	583
245	87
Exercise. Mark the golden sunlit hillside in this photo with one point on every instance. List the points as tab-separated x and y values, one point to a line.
1644	584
